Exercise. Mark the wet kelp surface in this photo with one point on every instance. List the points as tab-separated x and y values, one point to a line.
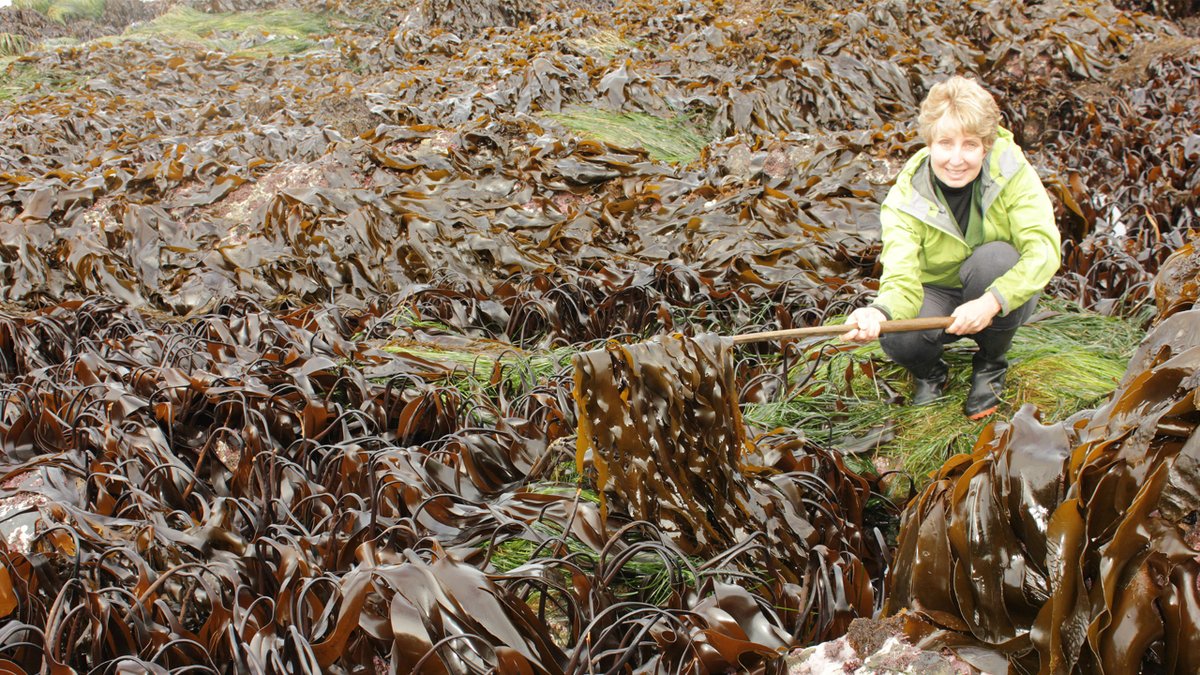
249	489
1071	548
396	154
660	424
234	438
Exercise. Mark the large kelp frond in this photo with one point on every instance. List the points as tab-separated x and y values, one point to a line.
660	425
1071	548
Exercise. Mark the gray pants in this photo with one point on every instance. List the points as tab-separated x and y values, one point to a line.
921	351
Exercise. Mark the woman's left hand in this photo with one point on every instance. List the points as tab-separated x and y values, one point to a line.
972	317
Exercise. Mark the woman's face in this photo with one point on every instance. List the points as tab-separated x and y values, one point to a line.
956	157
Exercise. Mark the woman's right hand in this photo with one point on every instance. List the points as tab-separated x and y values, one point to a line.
866	321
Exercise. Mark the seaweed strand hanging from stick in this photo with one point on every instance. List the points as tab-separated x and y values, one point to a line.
666	437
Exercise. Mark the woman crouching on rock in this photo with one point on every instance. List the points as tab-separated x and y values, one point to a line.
968	231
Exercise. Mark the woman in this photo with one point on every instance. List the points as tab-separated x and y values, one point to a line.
968	231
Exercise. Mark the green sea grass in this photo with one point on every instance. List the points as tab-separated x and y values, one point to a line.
667	140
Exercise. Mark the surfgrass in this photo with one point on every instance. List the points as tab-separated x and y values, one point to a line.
257	34
64	10
665	140
12	44
17	78
645	576
607	43
487	369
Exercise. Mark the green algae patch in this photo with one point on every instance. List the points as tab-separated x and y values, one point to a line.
276	32
480	369
17	78
1068	362
12	44
666	140
606	43
64	10
649	574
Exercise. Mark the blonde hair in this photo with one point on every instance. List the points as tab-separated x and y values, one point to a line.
966	103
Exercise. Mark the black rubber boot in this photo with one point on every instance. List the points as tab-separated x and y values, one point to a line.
932	386
988	370
987	381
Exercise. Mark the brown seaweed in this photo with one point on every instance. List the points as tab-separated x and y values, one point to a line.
210	463
660	424
1070	548
180	185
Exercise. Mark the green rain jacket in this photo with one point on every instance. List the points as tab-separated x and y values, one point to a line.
922	244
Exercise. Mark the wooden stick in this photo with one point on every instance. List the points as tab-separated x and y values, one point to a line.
925	323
